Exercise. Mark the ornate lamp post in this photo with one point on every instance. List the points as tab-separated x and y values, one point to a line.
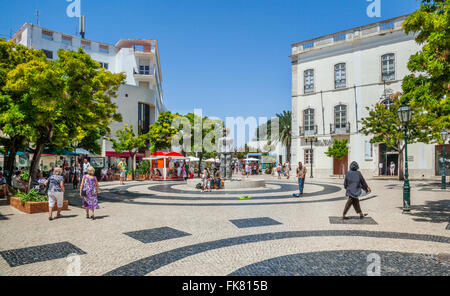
311	141
444	135
404	115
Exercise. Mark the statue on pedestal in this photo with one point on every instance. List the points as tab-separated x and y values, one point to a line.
226	150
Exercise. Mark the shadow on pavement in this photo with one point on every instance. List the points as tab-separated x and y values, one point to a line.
432	211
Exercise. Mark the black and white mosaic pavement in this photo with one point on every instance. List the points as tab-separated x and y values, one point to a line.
347	263
146	265
254	222
283	196
156	234
18	257
353	220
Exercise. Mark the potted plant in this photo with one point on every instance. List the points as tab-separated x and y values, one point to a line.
143	170
32	202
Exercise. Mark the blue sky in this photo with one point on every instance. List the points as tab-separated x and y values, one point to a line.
229	58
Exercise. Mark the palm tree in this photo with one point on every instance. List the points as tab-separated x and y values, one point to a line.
284	135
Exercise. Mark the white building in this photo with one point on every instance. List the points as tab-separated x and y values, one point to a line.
334	79
140	100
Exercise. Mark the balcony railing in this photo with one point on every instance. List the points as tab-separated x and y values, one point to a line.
144	72
340	129
308	131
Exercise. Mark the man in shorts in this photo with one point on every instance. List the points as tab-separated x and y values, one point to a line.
122	168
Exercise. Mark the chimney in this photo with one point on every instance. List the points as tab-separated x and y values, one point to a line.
82	26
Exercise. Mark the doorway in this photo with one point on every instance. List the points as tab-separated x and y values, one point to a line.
385	157
337	165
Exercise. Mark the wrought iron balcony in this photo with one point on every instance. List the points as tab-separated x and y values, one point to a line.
308	131
341	129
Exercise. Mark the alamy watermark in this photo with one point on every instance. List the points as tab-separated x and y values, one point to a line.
74	266
74	8
374	8
232	135
374	267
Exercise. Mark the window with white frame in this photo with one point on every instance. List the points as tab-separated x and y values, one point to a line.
144	69
308	156
48	54
104	65
340	116
388	67
86	45
309	81
66	40
103	48
47	35
340	76
308	120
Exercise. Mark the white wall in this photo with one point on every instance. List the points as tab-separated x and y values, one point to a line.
363	67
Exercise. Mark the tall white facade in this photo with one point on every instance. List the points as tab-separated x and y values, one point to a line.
334	79
140	100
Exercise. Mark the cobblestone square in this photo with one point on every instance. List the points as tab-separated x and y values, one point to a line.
167	228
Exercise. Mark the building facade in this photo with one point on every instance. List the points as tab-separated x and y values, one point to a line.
139	100
334	79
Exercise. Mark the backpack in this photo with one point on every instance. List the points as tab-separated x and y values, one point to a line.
198	186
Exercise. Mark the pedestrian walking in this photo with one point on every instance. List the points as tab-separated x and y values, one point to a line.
55	192
89	192
76	172
288	170
354	183
301	175
86	164
122	168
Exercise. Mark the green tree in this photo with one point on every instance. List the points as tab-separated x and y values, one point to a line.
63	100
385	127
284	134
207	129
161	132
128	141
13	124
427	88
338	150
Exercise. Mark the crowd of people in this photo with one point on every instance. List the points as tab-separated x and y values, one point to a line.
54	186
211	178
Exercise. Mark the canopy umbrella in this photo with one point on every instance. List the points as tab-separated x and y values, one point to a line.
193	158
59	152
82	151
212	160
252	159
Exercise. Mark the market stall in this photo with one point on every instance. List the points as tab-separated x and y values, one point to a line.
164	165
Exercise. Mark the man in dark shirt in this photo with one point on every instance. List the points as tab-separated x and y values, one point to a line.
354	183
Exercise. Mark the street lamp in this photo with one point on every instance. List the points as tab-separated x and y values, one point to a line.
311	152
444	135
404	115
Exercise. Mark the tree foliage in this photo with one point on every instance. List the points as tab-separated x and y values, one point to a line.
15	128
63	100
427	88
283	135
161	132
385	127
338	150
127	140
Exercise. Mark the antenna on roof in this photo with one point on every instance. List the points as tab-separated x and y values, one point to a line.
82	26
37	17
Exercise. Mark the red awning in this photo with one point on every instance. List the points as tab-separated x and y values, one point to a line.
167	154
124	154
